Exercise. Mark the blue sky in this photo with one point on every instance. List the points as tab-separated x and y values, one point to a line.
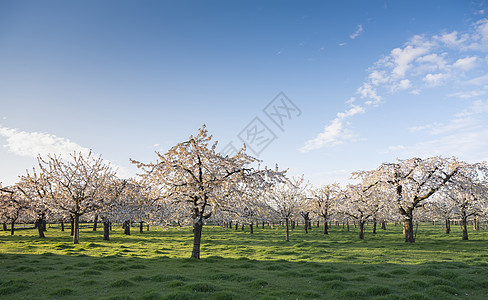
373	80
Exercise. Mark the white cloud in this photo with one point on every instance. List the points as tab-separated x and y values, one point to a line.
435	79
452	40
335	133
468	94
431	62
369	92
480	38
481	80
357	32
378	77
466	63
342	44
424	61
31	144
403	58
393	149
351	112
464	136
422	127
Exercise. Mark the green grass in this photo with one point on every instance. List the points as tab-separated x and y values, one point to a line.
238	265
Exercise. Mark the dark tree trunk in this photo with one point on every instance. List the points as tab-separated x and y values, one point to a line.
326	226
292	224
12	228
141	227
230	224
72	222
242	227
4	226
306	220
408	230
237	225
44	224
147	227
263	225
287	230
110	226
95	223
318	224
106	230
448	226
361	230
39	226
347	225
126	227
62	226
464	227
76	233
374	225
383	225
197	237
251	227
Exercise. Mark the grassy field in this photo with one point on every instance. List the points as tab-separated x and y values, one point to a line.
238	265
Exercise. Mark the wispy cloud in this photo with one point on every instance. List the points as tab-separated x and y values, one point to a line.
356	33
464	136
336	132
33	144
423	62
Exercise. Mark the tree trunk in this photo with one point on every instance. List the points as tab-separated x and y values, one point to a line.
12	228
306	220
448	226
147	227
361	230
62	226
38	224
44	224
141	227
326	226
197	237
76	233
126	226
292	224
374	225
318	223
237	225
263	225
251	228
95	223
464	227
408	230
4	226
383	225
106	230
347	224
287	230
72	222
242	227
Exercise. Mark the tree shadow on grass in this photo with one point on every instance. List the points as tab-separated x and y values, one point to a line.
216	277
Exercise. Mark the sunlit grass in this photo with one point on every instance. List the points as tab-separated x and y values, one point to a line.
240	265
